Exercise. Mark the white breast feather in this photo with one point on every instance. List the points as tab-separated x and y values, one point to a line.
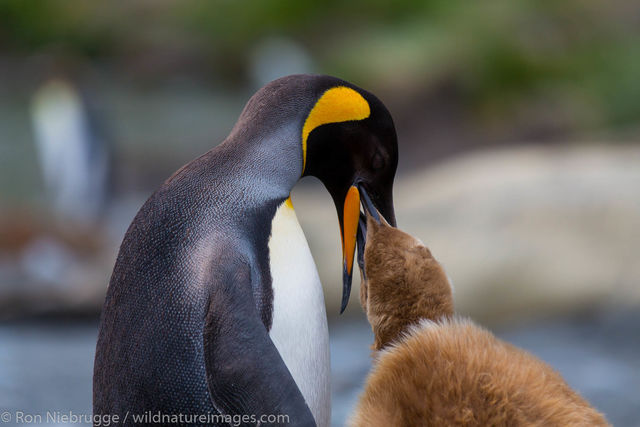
299	329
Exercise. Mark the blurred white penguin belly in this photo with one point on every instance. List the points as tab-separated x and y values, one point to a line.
299	328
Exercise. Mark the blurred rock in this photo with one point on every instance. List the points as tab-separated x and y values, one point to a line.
47	268
522	232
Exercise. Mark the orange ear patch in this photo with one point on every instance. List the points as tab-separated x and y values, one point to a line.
338	104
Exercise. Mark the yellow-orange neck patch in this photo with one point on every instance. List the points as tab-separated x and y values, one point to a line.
338	104
289	203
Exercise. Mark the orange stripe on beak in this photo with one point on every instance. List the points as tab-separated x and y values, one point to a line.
351	215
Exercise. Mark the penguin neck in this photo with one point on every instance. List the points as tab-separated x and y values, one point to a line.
270	164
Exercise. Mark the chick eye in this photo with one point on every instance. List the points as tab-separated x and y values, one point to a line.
377	161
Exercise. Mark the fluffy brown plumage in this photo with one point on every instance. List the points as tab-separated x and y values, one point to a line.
434	369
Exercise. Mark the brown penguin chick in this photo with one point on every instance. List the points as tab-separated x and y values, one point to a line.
435	369
404	283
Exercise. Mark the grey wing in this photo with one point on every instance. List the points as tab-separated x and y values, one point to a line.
245	373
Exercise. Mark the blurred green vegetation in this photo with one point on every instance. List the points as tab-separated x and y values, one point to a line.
577	57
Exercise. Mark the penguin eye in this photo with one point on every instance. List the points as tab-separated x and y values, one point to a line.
377	161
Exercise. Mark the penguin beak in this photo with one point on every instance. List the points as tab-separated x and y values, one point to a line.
354	232
350	219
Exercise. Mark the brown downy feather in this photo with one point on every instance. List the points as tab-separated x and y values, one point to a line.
433	369
404	283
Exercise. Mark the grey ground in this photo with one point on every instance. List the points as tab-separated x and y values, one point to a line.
47	365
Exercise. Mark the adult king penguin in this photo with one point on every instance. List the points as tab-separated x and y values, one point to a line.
215	305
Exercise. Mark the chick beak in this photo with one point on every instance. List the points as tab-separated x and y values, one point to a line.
361	240
369	208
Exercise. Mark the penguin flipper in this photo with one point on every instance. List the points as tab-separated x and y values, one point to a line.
245	373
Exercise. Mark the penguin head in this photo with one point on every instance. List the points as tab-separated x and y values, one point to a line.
321	126
349	143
